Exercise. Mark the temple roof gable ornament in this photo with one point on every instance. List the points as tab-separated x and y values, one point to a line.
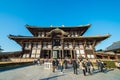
57	30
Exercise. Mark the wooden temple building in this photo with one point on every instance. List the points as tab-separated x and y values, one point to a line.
58	42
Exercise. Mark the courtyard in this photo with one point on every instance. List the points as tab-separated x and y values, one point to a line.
37	72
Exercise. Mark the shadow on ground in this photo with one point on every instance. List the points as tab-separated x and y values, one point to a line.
14	67
52	78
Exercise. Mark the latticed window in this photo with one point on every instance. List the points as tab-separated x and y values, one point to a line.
76	45
35	45
27	45
39	34
44	44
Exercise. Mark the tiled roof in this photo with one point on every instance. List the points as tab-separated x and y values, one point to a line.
114	46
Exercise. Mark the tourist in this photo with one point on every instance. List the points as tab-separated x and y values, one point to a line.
61	65
83	67
75	65
65	64
101	66
89	66
98	64
38	61
53	65
56	63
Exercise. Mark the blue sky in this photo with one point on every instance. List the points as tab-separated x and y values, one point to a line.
104	15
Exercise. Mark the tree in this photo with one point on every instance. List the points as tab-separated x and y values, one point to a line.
1	49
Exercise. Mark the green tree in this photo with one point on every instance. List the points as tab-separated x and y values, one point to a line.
1	49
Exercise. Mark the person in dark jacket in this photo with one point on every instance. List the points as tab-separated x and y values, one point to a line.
89	66
53	65
101	66
65	64
56	63
98	64
75	65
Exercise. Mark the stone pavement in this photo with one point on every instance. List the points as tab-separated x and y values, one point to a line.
37	72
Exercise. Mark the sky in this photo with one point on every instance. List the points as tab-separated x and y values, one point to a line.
104	15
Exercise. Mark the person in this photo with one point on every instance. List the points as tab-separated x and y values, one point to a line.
65	64
35	61
89	66
75	65
38	61
101	66
83	67
56	63
61	65
53	65
98	64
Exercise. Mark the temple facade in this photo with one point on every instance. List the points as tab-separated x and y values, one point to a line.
58	42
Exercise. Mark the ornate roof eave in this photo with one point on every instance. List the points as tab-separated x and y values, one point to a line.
57	30
18	39
34	29
26	37
96	39
79	37
97	36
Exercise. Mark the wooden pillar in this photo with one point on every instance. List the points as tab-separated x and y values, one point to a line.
23	49
31	49
74	49
62	46
71	54
48	53
108	56
40	47
51	54
84	46
74	54
51	50
116	56
102	56
93	48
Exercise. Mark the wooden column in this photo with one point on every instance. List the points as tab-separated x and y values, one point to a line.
84	46
93	47
62	44
108	56
51	50
40	48
102	56
116	56
73	44
71	54
62	47
31	49
48	53
23	49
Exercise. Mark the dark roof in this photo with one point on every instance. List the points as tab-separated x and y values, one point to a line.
35	29
7	53
18	39
114	46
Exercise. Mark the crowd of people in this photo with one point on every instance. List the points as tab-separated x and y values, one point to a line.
62	64
83	64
